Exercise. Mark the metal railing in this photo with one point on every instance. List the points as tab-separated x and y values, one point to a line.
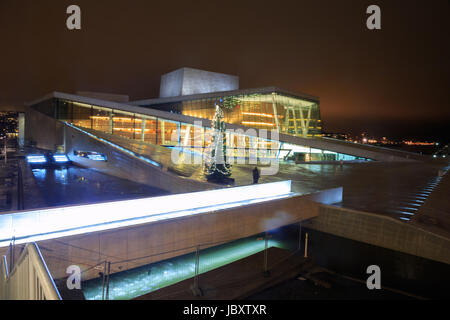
29	279
113	279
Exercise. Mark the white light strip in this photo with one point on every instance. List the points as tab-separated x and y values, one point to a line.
38	225
60	158
96	157
36	159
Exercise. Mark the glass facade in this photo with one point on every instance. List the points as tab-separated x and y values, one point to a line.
308	154
192	138
289	115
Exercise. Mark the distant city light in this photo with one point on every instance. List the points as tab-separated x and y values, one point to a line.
364	138
418	143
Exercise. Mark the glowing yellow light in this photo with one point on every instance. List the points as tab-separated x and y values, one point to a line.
412	143
99	118
131	129
115	119
126	119
258	123
267	115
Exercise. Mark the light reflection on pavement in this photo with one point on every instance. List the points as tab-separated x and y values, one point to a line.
74	185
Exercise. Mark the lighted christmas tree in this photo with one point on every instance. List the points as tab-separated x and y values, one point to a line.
216	167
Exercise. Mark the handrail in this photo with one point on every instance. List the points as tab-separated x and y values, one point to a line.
3	277
4	269
29	280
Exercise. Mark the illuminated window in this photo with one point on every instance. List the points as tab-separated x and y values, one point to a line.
91	155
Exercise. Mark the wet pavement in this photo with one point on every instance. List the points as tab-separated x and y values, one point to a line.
75	185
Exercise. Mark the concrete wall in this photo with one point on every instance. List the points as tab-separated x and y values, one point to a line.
188	81
381	231
44	131
162	240
171	84
21	125
125	166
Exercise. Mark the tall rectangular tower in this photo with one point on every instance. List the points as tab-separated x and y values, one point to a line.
188	81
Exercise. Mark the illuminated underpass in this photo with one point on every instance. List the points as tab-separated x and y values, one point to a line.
139	281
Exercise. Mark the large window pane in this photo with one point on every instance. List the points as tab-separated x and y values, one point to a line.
124	124
102	119
82	115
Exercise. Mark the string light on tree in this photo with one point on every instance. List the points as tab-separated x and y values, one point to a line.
216	167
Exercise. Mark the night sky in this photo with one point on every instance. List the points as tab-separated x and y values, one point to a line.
393	81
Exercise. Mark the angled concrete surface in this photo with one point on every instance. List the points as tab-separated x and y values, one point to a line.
189	81
124	165
156	241
381	231
435	212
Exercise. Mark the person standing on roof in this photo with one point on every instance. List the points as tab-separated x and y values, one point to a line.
256	175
